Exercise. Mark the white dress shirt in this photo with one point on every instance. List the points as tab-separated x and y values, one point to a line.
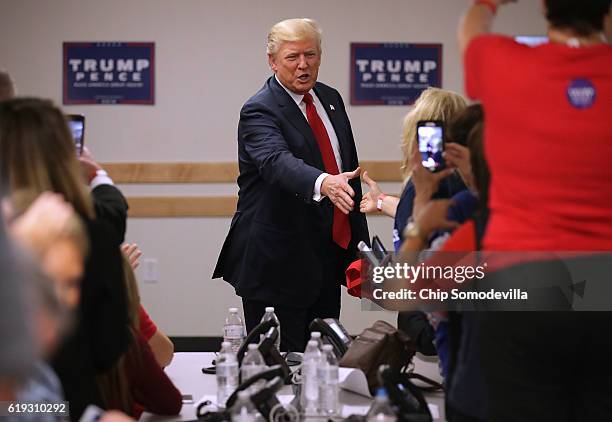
333	138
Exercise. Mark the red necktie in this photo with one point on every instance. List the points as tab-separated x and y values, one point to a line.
341	227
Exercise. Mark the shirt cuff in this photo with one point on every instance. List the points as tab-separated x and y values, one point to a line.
101	178
316	195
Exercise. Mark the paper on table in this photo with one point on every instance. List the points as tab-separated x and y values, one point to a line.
354	380
354	410
435	412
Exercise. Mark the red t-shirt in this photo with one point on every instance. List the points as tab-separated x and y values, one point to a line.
463	239
548	142
151	388
147	326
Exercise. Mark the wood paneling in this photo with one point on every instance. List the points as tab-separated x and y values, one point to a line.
188	172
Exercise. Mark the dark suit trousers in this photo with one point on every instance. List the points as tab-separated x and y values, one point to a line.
295	319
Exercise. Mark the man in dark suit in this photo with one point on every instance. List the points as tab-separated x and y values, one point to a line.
296	228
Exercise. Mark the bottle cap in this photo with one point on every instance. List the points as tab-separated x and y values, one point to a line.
270	309
252	346
233	310
315	335
328	347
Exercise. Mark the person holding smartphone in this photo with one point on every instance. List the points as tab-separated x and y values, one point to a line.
548	137
433	104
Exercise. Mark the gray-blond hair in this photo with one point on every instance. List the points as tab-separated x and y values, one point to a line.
432	104
298	29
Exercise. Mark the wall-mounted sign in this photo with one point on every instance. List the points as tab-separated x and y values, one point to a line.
393	73
109	73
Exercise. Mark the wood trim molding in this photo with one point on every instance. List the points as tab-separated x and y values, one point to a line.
202	206
185	206
172	172
181	206
217	172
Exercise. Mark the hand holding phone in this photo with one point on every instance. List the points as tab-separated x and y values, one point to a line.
430	142
76	122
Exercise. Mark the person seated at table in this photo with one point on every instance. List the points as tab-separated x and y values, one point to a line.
138	383
432	104
38	155
160	344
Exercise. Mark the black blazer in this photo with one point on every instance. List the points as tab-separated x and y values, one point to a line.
111	206
279	236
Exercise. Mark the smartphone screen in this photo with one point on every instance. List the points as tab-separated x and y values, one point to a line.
430	138
76	122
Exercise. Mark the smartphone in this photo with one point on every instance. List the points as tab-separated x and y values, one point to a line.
430	139
76	122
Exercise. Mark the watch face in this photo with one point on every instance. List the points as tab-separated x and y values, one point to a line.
411	230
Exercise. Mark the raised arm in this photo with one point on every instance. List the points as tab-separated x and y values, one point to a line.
477	20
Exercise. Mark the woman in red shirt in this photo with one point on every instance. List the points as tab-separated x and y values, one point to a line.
548	139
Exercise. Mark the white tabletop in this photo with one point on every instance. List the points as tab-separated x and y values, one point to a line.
185	371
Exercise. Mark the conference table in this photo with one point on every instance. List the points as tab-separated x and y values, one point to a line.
185	371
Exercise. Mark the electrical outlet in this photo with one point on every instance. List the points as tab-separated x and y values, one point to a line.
149	266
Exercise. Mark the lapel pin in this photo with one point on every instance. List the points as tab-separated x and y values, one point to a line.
331	107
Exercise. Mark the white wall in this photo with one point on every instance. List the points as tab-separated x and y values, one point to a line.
210	57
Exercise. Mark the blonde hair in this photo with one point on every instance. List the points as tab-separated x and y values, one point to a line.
298	29
74	231
432	104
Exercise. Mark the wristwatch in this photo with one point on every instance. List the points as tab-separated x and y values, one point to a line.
412	230
379	201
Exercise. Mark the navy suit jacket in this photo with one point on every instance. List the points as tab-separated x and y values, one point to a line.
279	237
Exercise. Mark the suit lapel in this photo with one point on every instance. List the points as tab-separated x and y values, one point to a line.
335	117
294	115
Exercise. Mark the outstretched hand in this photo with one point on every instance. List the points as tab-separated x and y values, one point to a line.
338	190
368	201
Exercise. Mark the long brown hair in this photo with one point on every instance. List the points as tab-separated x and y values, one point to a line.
114	384
37	152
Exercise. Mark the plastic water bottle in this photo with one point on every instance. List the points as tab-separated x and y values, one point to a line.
271	315
243	410
233	330
253	363
310	385
316	336
381	410
327	374
227	373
